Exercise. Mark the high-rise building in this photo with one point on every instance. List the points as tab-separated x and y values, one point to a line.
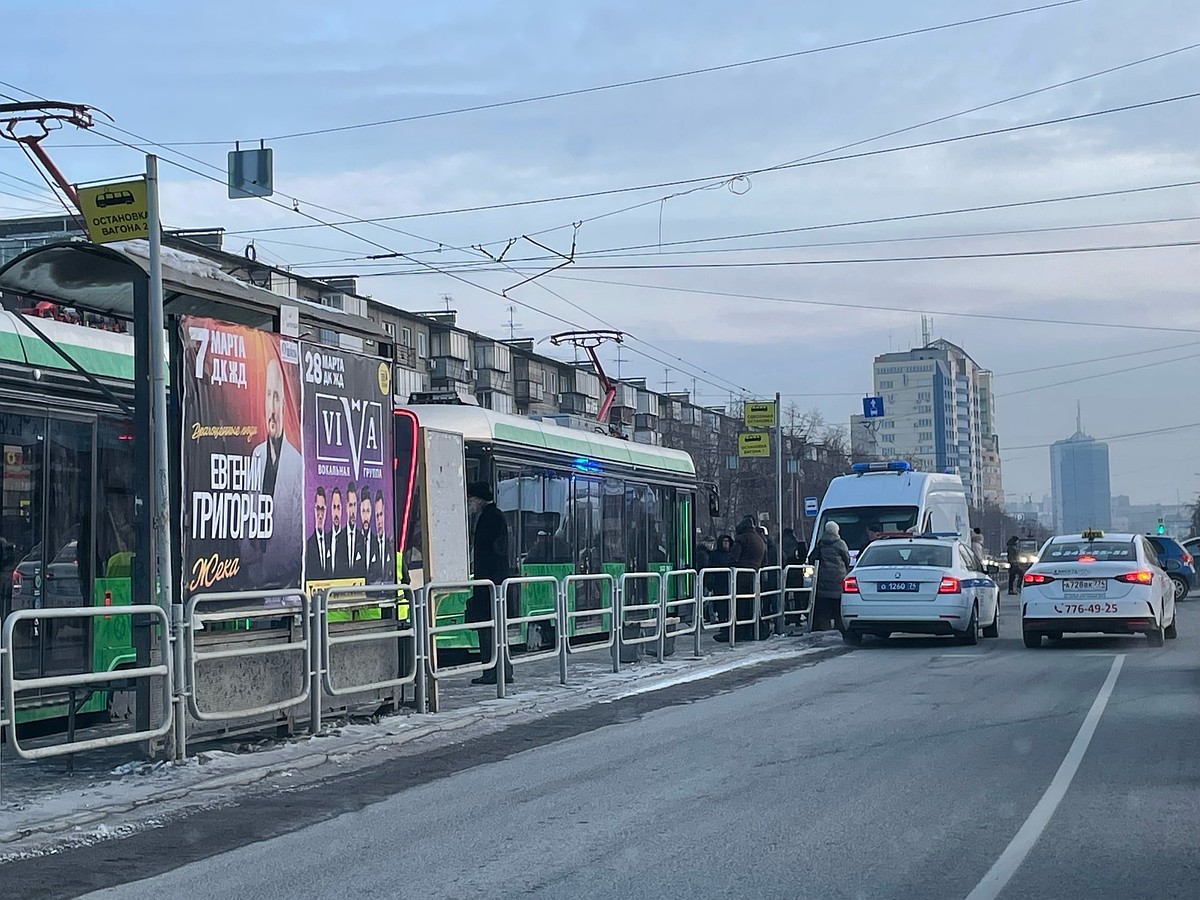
939	413
1079	482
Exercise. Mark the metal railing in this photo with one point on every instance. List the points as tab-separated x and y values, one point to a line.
607	585
740	577
770	597
715	598
694	602
381	597
433	595
655	607
672	606
14	685
194	620
802	574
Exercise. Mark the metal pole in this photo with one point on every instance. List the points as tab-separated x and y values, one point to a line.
318	613
560	605
778	479
161	488
178	627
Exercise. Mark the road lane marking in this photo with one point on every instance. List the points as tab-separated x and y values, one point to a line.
1014	854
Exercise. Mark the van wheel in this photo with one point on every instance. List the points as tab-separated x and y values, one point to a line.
970	637
1033	639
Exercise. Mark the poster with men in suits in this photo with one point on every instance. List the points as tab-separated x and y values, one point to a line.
349	524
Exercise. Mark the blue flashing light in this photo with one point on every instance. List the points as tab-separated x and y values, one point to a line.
583	464
896	465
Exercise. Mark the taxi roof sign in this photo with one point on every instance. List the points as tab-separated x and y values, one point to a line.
1092	534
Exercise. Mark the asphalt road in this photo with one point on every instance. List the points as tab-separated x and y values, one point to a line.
908	769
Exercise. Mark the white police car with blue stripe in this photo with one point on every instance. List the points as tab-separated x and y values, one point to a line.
919	584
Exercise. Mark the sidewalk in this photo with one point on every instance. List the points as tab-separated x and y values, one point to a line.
45	809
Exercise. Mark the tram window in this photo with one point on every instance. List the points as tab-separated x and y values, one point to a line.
660	523
585	523
22	438
68	543
514	495
613	522
636	503
114	499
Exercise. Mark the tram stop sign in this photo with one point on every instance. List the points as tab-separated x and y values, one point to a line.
760	414
753	444
115	212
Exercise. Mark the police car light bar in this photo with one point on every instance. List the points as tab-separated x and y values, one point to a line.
895	465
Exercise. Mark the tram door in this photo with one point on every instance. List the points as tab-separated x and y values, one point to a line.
45	486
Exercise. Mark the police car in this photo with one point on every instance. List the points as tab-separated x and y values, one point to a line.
919	584
1093	582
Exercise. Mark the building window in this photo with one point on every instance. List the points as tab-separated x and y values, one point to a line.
390	328
886	385
422	344
925	436
406	336
888	438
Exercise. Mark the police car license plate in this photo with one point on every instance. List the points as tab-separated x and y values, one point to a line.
907	587
1085	586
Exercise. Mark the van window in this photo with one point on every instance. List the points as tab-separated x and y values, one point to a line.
856	521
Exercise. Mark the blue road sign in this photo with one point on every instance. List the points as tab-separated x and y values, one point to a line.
872	407
810	506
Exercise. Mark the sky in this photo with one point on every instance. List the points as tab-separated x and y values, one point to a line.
197	77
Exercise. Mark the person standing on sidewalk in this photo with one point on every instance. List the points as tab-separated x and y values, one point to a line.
977	543
834	558
1013	551
490	563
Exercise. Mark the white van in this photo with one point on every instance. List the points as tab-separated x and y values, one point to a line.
888	498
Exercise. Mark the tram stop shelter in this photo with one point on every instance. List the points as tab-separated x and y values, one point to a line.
113	280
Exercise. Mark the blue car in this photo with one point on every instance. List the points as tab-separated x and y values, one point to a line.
1177	562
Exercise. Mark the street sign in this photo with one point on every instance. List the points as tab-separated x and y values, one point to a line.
872	407
810	506
115	212
760	414
754	444
251	173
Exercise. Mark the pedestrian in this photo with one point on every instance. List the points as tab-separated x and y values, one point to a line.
490	558
833	556
749	555
977	544
1013	550
791	547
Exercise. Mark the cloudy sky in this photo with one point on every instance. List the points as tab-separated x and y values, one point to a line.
199	76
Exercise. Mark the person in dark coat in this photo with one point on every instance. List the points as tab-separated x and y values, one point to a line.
489	563
791	547
749	552
834	558
716	584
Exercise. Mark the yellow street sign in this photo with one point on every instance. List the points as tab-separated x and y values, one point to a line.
754	443
760	414
115	212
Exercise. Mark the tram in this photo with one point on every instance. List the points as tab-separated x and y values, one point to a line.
576	503
66	503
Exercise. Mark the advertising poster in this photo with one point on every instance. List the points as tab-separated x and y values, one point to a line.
243	466
349	521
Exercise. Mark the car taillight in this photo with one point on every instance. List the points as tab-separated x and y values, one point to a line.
1187	559
1136	578
849	585
950	586
1036	578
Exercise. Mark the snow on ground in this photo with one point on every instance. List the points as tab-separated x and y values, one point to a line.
44	809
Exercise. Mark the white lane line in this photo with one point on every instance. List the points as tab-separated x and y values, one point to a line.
1014	854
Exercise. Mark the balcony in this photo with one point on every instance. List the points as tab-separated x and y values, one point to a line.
406	356
493	380
530	391
448	368
579	404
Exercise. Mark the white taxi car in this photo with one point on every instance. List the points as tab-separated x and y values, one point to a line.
1093	582
922	584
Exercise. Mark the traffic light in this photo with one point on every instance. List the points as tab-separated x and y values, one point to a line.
1161	529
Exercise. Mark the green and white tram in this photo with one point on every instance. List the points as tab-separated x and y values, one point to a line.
576	503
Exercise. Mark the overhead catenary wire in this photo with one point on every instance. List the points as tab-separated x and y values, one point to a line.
875	307
634	82
583	195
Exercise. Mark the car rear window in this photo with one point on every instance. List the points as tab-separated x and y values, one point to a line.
882	553
1101	551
